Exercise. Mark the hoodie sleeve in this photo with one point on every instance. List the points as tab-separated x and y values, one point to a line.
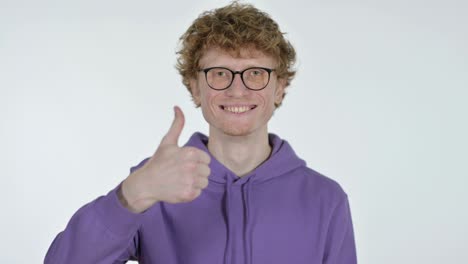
340	247
102	231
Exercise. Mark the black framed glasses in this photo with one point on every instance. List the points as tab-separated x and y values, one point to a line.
254	78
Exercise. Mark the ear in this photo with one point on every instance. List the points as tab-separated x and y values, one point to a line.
195	90
280	89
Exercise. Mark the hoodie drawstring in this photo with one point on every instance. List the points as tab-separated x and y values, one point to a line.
227	256
248	232
247	228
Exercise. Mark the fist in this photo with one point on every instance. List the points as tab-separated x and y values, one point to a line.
173	174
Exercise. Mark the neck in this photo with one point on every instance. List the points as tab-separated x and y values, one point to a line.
240	154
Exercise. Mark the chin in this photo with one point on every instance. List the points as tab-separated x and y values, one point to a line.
232	130
235	131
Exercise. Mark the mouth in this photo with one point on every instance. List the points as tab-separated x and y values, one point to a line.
237	109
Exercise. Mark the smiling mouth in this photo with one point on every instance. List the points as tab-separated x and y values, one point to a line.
238	109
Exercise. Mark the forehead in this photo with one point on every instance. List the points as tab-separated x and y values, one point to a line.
235	60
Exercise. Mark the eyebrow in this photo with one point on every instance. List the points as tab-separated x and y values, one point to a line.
246	67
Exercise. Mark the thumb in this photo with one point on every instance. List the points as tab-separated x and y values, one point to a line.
172	136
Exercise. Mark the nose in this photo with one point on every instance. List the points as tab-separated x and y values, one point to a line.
237	87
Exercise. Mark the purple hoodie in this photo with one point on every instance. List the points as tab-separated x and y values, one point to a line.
282	212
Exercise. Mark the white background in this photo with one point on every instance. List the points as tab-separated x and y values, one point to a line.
379	105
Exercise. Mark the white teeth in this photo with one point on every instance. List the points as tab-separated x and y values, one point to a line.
237	109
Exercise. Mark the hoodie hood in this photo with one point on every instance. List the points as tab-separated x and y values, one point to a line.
281	161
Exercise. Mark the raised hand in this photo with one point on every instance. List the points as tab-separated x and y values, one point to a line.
173	174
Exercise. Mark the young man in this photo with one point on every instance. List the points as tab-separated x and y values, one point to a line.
240	195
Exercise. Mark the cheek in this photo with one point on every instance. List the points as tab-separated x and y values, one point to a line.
208	101
209	97
204	94
267	98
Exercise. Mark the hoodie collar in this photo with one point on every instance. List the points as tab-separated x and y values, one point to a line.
282	160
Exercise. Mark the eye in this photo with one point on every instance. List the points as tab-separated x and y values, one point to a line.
256	72
220	73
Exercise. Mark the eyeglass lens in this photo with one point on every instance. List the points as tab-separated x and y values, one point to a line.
253	78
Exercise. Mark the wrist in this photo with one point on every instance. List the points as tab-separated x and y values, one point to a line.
130	198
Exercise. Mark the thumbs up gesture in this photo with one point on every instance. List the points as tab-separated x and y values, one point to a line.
173	174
